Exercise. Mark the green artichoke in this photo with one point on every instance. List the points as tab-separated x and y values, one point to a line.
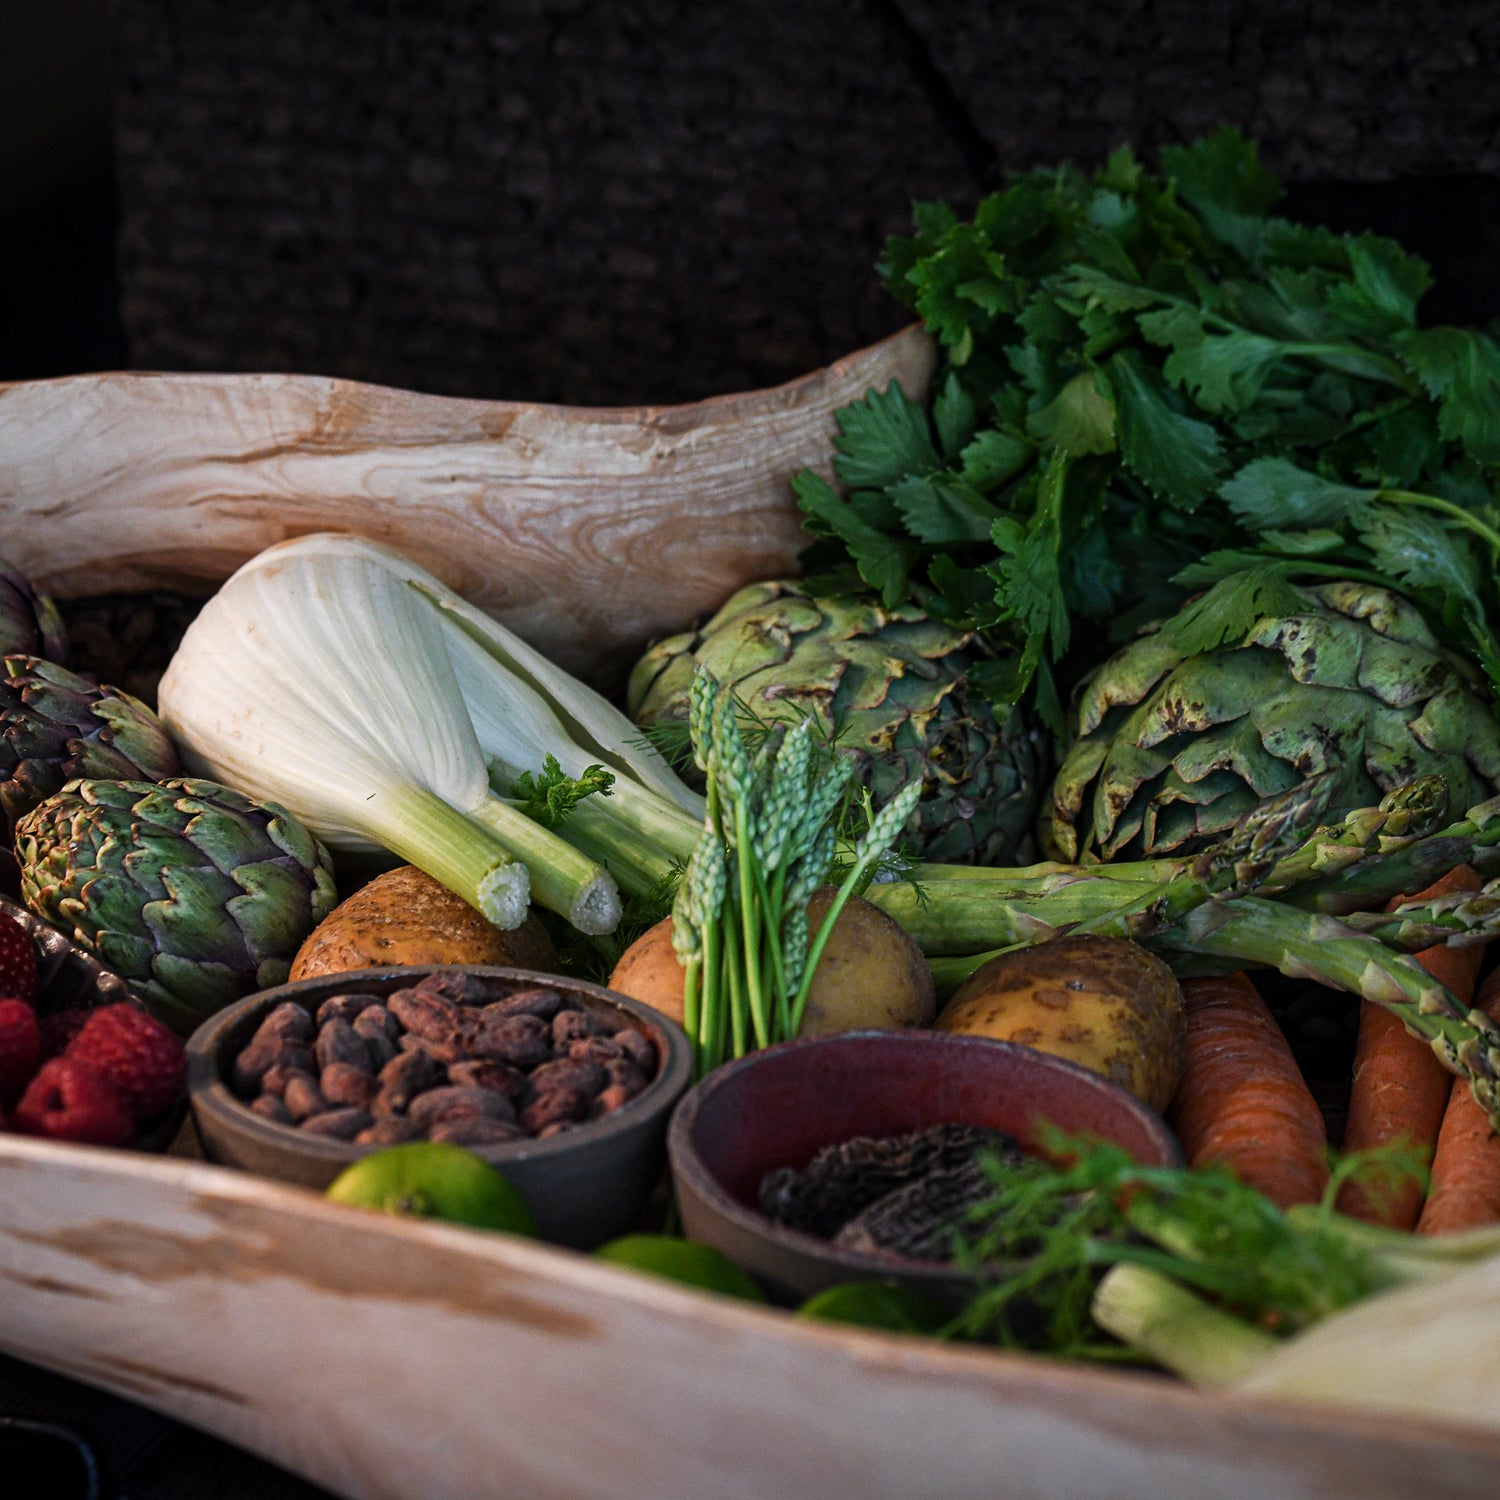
892	687
1170	750
56	727
192	893
29	621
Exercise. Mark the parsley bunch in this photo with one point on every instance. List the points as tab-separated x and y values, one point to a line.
1151	388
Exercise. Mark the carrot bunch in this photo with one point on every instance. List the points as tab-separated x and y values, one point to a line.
1243	1101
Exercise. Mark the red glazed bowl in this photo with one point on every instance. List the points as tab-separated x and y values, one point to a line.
778	1107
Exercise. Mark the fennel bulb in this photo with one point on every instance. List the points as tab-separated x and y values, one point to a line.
310	680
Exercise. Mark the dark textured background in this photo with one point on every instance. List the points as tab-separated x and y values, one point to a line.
606	202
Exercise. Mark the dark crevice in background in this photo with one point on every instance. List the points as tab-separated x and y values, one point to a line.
978	151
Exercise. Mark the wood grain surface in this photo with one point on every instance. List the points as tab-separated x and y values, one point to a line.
386	1358
587	530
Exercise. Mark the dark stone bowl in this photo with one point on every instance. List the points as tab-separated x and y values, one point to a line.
778	1107
584	1186
70	979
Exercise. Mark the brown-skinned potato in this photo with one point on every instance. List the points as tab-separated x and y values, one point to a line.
406	917
1102	1002
872	974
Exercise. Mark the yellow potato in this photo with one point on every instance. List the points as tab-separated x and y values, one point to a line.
1102	1002
406	917
871	973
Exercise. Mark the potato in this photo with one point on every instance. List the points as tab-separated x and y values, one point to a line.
871	973
406	917
1099	1001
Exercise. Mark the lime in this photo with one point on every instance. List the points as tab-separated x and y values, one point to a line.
876	1304
434	1180
687	1261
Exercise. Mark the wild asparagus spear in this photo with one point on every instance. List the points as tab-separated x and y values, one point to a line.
972	915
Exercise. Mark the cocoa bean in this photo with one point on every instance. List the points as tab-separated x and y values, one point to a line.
609	1099
338	1124
567	1072
375	1021
599	1049
263	1054
621	1073
565	1102
541	1003
575	1025
338	1042
404	1077
392	1130
521	1041
277	1078
345	1007
556	1128
442	1053
456	988
287	1022
269	1107
424	1014
475	1130
484	1073
303	1097
639	1048
347	1086
453	1103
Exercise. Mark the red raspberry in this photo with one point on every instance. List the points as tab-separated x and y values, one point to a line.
144	1061
17	961
70	1101
18	1048
58	1029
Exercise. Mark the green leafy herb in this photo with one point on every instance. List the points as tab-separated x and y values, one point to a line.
550	797
1146	384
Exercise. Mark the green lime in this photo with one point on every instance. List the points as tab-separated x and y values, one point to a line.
434	1180
876	1304
687	1261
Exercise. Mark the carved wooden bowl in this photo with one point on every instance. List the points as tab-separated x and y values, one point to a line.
393	1358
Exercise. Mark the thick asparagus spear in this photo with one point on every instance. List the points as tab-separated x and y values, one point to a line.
1253	931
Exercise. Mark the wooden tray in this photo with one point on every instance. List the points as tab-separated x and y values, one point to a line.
588	530
391	1358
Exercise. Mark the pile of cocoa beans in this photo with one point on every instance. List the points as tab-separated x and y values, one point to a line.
453	1058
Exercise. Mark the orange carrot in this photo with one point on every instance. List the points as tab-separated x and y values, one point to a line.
1465	1191
1400	1089
1242	1100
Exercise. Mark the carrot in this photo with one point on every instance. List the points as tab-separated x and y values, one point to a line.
1242	1100
1400	1089
1465	1191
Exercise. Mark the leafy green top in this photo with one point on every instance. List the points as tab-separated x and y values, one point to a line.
1149	386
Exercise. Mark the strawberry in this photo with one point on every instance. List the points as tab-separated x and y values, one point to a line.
18	977
18	1048
144	1061
70	1101
59	1028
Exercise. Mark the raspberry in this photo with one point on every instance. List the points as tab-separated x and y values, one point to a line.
70	1101
18	1048
144	1061
18	975
58	1029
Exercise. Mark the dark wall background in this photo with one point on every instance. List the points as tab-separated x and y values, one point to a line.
653	200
